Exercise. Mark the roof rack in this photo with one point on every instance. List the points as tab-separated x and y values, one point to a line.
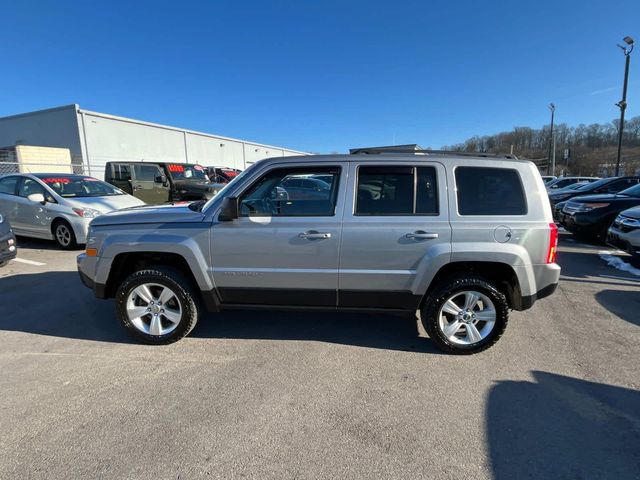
421	151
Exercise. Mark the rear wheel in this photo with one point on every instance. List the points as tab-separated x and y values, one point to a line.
64	236
465	315
157	306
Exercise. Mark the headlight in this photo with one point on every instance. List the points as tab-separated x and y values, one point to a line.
86	212
587	207
629	222
1	218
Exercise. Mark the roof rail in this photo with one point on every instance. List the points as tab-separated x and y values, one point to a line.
421	151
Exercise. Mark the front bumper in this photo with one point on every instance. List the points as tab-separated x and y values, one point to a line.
627	241
8	248
587	222
82	262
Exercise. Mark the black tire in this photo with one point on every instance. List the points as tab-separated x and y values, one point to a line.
179	284
434	302
59	226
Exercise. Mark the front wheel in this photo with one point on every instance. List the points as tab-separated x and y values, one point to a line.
64	235
157	306
465	315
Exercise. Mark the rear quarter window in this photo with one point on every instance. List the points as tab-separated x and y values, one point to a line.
489	191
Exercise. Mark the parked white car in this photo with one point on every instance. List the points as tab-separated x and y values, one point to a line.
58	206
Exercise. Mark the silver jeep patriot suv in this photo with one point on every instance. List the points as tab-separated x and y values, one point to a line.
460	238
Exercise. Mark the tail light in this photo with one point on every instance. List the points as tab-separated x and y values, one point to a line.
553	243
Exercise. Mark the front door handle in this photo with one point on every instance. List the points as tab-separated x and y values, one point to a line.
312	234
421	235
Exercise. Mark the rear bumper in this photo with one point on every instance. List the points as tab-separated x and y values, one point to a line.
8	248
546	279
529	300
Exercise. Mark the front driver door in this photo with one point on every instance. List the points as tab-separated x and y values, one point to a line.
145	186
283	250
32	217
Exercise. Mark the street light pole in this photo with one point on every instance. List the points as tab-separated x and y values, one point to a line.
623	103
552	107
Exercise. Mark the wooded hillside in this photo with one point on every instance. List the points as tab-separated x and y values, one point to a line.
592	147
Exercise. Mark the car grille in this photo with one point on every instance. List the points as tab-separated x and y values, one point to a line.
618	225
571	207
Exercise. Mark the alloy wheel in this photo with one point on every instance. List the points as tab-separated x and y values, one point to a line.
467	317
154	309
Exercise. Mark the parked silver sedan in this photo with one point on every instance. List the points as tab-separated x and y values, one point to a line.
58	206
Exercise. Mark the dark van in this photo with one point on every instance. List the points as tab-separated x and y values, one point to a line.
161	182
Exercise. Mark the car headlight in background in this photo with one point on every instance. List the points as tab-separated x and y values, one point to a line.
87	212
628	222
587	207
1	218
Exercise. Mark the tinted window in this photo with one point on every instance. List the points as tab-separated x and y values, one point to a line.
285	192
8	185
489	191
121	172
146	173
397	191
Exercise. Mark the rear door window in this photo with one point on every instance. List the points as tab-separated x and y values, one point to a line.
121	172
8	185
387	191
489	191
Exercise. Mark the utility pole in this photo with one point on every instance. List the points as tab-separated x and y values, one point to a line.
623	103
552	144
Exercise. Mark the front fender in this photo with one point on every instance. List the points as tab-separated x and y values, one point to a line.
190	242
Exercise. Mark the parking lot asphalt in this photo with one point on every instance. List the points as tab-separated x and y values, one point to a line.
318	395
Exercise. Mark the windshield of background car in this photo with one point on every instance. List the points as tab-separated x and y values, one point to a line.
79	186
188	172
631	191
594	185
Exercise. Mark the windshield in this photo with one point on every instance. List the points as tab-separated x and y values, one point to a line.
631	191
596	184
225	189
188	172
79	186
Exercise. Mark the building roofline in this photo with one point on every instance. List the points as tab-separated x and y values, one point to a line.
77	109
178	129
72	106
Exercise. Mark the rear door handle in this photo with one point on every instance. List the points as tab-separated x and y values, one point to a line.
312	234
420	235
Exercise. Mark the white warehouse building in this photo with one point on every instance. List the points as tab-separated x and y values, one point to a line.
95	138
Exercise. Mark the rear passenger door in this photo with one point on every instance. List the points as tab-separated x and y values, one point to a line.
120	176
395	233
8	196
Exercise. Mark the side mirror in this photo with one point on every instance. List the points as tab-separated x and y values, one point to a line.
161	179
230	209
37	198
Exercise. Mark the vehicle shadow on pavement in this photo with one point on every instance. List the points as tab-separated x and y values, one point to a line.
623	303
57	304
563	427
36	244
372	330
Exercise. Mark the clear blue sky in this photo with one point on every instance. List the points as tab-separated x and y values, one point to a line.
323	75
